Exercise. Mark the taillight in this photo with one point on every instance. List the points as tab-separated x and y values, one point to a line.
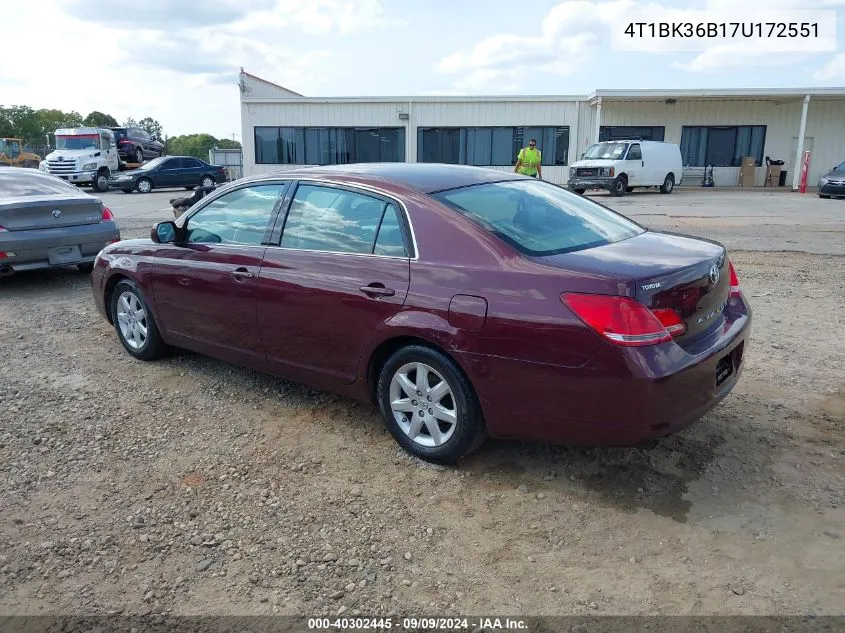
621	320
108	216
671	320
734	280
3	229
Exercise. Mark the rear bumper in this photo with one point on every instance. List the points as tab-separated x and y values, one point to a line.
81	177
623	397
50	248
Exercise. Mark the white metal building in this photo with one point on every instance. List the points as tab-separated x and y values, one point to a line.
281	128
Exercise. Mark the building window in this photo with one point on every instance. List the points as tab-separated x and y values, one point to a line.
626	132
490	146
328	145
722	146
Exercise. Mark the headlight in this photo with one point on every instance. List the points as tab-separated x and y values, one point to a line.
824	180
571	172
89	166
42	165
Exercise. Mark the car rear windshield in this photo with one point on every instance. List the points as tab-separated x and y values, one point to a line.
16	183
538	218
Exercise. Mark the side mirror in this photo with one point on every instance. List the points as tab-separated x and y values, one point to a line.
163	233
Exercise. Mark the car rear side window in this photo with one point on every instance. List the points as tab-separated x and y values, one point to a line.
238	217
538	218
389	240
17	183
333	220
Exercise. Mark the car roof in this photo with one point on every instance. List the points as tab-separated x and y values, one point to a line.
424	177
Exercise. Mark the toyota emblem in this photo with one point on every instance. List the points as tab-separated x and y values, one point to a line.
714	274
57	213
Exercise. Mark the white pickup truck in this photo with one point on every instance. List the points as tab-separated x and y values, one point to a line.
84	156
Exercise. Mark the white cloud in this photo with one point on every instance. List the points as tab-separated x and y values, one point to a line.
834	70
575	30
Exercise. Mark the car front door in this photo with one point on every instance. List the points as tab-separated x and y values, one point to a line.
341	269
168	173
204	285
635	168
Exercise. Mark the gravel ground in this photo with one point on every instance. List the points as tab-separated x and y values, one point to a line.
188	486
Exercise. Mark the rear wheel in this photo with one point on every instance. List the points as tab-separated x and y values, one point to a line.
668	184
139	155
429	406
144	185
207	181
619	186
579	191
134	322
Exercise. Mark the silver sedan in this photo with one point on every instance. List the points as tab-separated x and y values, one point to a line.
46	222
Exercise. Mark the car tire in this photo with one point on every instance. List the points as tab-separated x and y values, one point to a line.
101	181
139	155
824	195
207	181
144	185
460	426
668	185
579	191
130	308
619	187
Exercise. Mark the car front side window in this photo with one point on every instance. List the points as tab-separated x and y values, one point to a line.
332	220
240	217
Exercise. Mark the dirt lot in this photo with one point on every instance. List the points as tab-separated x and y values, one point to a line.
188	486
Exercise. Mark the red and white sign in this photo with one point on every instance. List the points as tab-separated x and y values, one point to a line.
805	169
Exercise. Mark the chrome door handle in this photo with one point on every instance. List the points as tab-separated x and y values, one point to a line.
378	291
242	273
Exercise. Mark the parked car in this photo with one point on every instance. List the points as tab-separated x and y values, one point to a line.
169	171
46	222
832	184
464	302
622	166
135	145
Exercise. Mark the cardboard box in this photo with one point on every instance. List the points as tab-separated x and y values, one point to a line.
747	176
747	161
773	175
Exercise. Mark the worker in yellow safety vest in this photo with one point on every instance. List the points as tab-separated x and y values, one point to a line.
528	160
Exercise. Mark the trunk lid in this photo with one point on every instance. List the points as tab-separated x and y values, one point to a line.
46	212
690	276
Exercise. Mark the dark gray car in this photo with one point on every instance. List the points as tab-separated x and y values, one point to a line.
832	184
46	222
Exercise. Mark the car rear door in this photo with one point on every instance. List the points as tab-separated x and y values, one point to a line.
204	286
192	169
341	268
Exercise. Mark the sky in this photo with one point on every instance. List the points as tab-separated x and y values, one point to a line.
178	60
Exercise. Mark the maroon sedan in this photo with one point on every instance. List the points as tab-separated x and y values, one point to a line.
463	302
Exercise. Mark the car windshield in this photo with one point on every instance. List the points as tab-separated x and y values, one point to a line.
538	218
119	133
78	141
606	151
155	162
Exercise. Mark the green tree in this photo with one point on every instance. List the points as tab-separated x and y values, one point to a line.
191	145
130	122
98	119
226	143
152	127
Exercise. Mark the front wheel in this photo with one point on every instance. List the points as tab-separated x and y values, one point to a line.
429	406
101	181
144	185
135	325
619	187
668	184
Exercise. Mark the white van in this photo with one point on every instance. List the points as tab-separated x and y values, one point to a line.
622	166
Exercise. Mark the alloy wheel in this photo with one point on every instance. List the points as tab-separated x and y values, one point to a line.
132	320
423	404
